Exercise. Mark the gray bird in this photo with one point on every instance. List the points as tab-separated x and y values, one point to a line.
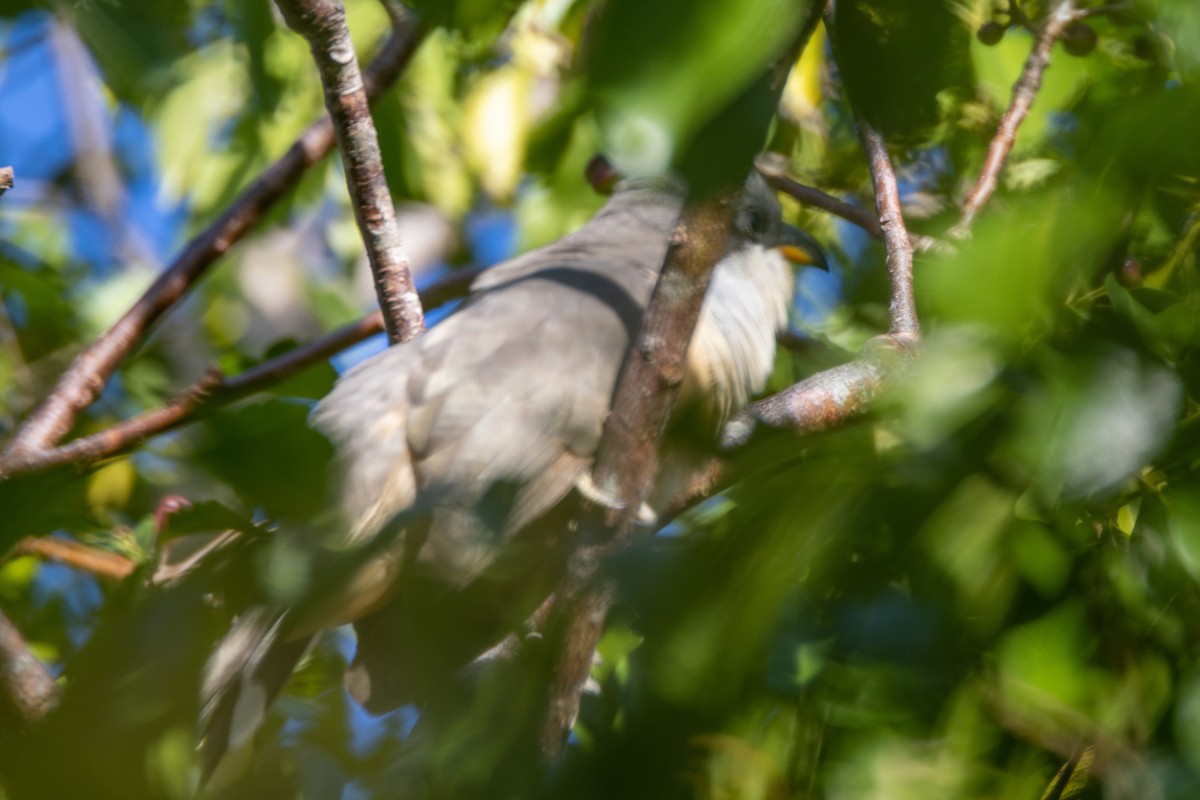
458	452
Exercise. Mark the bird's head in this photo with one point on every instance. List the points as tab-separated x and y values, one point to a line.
759	220
733	349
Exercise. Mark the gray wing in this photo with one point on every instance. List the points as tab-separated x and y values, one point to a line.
492	415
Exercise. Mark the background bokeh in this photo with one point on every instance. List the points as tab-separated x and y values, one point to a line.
985	589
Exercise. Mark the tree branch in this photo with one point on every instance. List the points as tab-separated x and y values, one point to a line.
1024	92
101	563
834	396
27	690
905	328
1099	11
214	389
817	403
777	176
628	457
829	398
83	381
627	460
902	307
322	23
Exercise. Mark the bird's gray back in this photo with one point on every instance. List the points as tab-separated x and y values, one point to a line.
511	390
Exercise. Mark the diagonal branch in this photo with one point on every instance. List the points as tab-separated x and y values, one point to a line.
628	457
627	461
214	389
831	397
816	404
83	381
1024	93
777	176
905	328
322	23
101	563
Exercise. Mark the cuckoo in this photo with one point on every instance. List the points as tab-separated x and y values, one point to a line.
460	454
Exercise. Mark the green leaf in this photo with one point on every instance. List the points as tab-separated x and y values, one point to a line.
874	36
663	72
38	304
313	382
266	452
136	42
254	23
1043	666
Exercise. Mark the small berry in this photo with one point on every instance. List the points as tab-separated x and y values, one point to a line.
1130	272
1079	39
601	174
990	33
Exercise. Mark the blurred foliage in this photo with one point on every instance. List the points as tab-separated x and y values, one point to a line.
988	589
682	83
874	36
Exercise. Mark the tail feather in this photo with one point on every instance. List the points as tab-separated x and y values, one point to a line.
246	672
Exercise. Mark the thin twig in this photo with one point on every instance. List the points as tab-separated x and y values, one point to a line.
322	23
27	690
1186	244
1096	11
85	379
627	460
1024	93
214	389
814	197
509	647
122	436
904	328
902	306
101	563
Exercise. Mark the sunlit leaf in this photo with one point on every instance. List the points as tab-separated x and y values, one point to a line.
110	486
495	128
998	68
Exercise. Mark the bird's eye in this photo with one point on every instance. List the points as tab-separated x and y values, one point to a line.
757	221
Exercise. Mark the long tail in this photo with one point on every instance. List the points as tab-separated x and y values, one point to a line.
242	678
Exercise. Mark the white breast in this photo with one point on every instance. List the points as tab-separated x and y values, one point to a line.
733	349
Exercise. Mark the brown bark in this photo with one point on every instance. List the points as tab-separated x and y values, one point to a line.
322	23
85	379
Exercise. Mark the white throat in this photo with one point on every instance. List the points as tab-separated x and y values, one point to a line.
733	349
